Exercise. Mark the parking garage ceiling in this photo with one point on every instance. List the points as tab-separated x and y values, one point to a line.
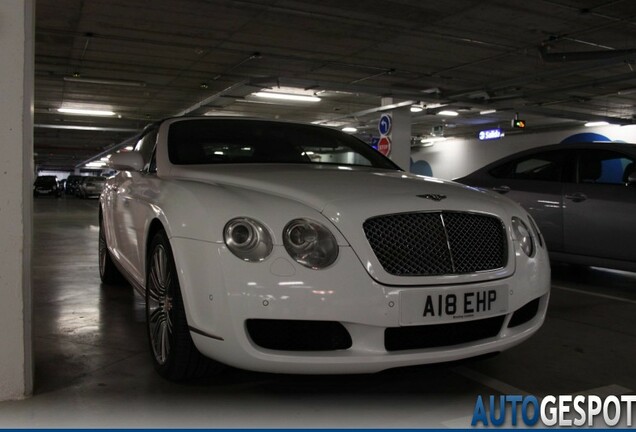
558	63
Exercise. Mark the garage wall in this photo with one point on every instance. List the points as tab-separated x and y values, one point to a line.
16	136
459	157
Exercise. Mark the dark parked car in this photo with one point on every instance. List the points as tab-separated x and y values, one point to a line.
582	196
71	184
46	185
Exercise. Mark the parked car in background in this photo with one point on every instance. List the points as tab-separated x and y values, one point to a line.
582	196
90	187
46	186
72	181
294	248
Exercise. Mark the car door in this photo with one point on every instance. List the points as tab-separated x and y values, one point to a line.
535	182
132	209
599	207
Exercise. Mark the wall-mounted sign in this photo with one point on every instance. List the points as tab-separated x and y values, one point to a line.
374	142
385	123
491	134
384	145
384	127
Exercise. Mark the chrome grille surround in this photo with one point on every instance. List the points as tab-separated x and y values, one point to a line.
437	243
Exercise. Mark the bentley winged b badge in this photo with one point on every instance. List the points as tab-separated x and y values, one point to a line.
434	197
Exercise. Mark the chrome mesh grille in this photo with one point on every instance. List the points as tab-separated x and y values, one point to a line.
438	243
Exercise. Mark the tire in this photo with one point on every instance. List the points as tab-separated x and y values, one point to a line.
108	273
173	352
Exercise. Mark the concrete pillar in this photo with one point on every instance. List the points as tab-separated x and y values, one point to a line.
401	138
16	174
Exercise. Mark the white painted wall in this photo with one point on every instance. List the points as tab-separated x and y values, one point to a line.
16	172
458	157
61	175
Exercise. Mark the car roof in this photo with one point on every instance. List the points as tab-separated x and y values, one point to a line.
602	145
589	144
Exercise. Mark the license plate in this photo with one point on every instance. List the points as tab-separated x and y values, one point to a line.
436	306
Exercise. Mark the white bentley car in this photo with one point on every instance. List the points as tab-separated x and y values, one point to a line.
291	248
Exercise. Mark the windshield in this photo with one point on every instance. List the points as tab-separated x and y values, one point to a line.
232	141
46	181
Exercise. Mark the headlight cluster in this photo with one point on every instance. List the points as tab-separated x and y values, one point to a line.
523	236
308	242
248	239
537	233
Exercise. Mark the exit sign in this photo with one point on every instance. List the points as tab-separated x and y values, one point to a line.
490	134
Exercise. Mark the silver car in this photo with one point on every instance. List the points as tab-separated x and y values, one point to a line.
582	196
91	187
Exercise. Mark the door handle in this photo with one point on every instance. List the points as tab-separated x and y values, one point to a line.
502	189
576	197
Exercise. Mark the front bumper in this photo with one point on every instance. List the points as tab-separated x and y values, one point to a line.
222	294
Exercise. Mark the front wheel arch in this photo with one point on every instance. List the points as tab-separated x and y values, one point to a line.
178	358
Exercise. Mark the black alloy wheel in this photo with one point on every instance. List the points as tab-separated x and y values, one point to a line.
173	352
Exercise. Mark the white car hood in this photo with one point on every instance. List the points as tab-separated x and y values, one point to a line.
318	186
349	195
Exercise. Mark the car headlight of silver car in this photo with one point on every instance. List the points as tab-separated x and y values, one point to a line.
310	243
523	236
248	239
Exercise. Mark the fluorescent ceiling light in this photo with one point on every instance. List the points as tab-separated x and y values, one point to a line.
448	113
416	108
95	164
596	123
626	91
287	96
433	139
488	111
349	129
84	128
105	81
90	112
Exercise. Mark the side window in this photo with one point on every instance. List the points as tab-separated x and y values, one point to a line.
604	167
546	166
146	146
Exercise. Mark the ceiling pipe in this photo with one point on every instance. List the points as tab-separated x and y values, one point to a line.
369	111
530	78
130	141
573	56
571	115
241	88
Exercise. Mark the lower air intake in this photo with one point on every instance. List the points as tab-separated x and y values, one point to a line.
441	335
298	335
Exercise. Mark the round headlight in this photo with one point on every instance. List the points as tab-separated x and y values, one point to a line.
248	239
310	243
522	233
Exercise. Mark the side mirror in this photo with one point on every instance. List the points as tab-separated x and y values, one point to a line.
128	161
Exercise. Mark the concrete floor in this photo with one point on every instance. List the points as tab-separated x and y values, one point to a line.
93	368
